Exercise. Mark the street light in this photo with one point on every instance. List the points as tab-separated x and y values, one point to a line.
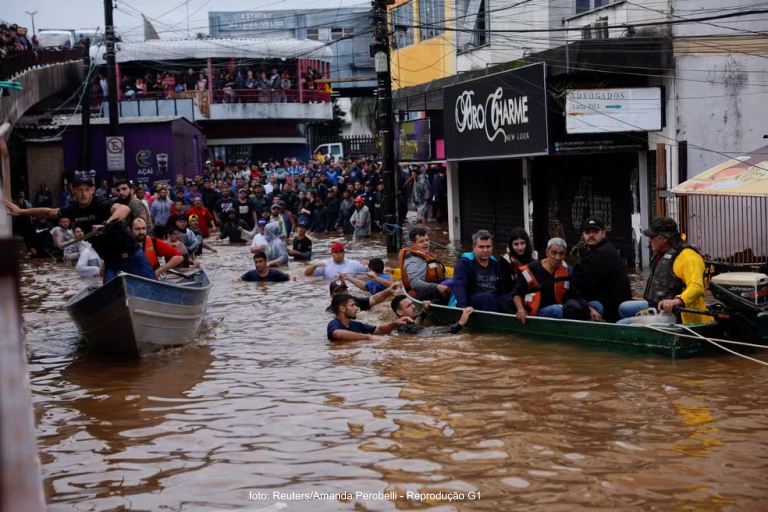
32	14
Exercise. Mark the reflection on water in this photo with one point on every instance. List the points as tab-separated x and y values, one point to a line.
262	403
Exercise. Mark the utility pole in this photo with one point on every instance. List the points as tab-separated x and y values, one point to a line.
386	121
32	15
109	36
85	108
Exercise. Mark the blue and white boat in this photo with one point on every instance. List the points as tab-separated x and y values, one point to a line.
135	315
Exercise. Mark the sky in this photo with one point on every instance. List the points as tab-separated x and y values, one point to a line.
75	14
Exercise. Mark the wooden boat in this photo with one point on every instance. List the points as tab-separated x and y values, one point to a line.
632	339
133	315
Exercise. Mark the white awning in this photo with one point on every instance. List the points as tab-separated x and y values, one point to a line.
165	50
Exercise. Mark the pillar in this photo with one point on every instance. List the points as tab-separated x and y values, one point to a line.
210	83
645	212
527	198
454	215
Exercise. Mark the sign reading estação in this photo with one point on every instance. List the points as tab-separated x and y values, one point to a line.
503	115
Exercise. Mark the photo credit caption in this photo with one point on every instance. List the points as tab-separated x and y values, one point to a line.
365	496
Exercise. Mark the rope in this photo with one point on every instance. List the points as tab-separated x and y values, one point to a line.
446	248
712	341
390	229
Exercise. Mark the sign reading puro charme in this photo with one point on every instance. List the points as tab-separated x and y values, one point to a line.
503	115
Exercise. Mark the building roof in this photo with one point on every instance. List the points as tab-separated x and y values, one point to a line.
182	49
59	122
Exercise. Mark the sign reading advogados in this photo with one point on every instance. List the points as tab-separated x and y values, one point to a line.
503	115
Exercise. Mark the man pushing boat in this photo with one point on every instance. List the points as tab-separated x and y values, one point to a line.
113	241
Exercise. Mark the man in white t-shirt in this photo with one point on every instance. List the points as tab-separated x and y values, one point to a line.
329	269
259	240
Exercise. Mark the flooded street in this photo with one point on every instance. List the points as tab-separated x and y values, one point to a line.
263	403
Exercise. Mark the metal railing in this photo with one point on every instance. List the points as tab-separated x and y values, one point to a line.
270	96
18	61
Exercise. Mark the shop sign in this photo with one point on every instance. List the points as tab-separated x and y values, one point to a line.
503	115
413	141
636	109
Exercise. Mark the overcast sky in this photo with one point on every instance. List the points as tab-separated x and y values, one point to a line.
75	14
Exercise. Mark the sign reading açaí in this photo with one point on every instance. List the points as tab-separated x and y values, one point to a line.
503	115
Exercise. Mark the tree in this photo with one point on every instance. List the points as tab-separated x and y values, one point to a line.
365	109
202	35
331	129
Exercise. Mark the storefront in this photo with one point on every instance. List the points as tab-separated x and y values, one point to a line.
493	126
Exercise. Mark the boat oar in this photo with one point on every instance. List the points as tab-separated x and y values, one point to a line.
101	230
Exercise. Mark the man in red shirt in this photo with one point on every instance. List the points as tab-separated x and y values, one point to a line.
154	249
203	215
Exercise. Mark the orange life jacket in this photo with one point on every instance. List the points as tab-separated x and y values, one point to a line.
532	299
435	269
151	253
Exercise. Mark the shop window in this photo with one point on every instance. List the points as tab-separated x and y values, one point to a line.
313	34
431	18
588	5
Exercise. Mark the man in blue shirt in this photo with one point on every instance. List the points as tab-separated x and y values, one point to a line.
262	273
345	328
190	196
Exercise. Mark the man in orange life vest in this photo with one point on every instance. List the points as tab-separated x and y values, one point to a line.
155	248
423	276
542	286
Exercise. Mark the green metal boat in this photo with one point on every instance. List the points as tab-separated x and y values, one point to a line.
631	339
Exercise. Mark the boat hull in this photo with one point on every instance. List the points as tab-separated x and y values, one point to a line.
134	315
614	337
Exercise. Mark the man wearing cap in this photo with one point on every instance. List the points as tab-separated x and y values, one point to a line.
329	269
236	229
345	328
361	219
245	210
259	200
259	239
204	216
339	286
677	276
116	245
601	274
302	245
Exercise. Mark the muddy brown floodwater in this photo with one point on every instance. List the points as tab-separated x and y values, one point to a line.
262	403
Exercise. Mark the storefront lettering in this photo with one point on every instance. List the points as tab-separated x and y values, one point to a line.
493	116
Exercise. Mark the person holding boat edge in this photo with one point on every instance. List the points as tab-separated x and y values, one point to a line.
116	245
345	328
601	275
155	249
677	276
403	306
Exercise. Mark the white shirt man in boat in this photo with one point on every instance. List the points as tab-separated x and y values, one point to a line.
154	249
115	244
403	306
677	276
423	275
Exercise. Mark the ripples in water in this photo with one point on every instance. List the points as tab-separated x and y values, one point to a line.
263	403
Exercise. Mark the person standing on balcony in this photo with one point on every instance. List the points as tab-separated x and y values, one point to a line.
190	80
202	82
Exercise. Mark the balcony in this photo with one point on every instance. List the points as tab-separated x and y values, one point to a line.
231	104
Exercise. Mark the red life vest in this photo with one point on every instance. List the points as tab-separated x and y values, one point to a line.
151	253
435	269
532	299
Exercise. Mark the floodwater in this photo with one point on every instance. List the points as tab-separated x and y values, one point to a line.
261	404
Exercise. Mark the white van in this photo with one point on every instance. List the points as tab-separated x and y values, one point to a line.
51	37
334	149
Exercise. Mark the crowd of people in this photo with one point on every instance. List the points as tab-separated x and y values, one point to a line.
230	84
272	207
15	38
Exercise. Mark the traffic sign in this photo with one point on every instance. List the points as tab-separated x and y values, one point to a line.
115	154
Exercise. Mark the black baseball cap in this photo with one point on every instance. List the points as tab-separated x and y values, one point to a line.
82	177
663	226
593	223
338	285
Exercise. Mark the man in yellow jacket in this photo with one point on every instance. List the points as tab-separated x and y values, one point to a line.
677	276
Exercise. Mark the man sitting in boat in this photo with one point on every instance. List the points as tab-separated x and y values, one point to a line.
339	286
403	306
601	274
345	328
154	249
423	275
542	287
116	245
677	276
478	280
519	252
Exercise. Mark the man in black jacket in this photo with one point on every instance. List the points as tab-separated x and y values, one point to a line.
601	275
